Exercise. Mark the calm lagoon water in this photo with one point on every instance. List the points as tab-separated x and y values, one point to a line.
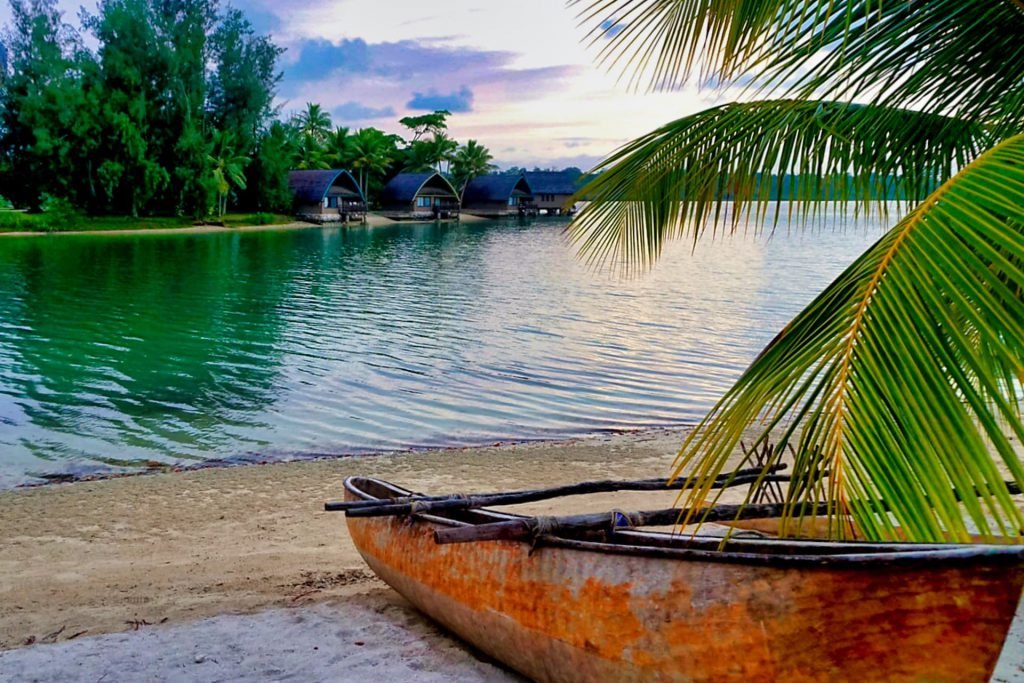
116	350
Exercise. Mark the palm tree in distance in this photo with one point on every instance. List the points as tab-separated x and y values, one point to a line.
471	160
310	154
440	150
339	148
371	151
228	168
314	122
899	387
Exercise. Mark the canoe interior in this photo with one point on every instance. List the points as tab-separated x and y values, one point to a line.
764	543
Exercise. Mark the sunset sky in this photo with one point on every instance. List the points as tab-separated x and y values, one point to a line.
517	76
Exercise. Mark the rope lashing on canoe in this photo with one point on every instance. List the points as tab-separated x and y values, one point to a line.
545	526
462	500
541	526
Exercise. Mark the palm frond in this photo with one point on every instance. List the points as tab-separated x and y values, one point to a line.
672	181
956	57
901	381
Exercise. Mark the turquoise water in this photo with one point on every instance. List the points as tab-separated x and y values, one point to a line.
117	350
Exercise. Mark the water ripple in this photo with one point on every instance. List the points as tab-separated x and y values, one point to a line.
118	351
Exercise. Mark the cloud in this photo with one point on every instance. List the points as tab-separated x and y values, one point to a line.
263	21
421	66
405	60
354	111
458	101
319	58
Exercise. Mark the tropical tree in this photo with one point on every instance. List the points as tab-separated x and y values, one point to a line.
267	175
228	168
371	152
471	160
440	150
433	123
309	153
898	387
314	122
339	148
417	157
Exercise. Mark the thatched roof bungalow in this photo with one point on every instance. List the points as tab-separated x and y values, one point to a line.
419	196
552	190
497	195
327	196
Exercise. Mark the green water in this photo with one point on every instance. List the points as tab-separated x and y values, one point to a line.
119	350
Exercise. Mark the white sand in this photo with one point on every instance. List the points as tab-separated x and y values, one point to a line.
374	637
371	637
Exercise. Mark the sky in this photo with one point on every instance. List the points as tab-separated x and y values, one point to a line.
518	76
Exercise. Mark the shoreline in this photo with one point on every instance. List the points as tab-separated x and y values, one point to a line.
373	220
185	230
157	468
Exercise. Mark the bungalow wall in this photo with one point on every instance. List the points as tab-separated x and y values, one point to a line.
337	206
552	203
424	207
516	205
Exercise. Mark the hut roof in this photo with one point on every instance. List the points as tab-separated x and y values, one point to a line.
496	187
405	186
310	187
553	182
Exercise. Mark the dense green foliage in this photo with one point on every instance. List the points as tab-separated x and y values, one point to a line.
162	117
899	387
166	108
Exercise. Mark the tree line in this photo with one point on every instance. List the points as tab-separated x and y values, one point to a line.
167	107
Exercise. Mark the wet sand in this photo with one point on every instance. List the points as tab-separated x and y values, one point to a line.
161	554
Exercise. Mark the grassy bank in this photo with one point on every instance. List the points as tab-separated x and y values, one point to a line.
15	221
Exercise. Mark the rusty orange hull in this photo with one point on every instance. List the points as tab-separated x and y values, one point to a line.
644	608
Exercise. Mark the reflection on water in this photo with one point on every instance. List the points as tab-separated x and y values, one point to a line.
119	350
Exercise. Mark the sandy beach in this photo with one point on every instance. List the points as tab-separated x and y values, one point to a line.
373	220
212	571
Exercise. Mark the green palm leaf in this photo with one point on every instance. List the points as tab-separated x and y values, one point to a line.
671	181
958	57
902	378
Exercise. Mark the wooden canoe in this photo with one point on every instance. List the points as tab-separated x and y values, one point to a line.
649	606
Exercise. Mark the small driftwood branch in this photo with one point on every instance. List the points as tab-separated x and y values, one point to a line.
531	528
407	506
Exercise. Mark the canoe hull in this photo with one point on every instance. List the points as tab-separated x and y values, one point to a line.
560	614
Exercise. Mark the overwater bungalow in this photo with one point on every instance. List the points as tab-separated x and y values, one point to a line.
552	190
419	196
330	196
497	195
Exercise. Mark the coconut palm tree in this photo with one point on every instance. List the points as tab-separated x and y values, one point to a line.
371	151
339	148
314	122
440	150
417	157
310	154
228	168
471	160
899	387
